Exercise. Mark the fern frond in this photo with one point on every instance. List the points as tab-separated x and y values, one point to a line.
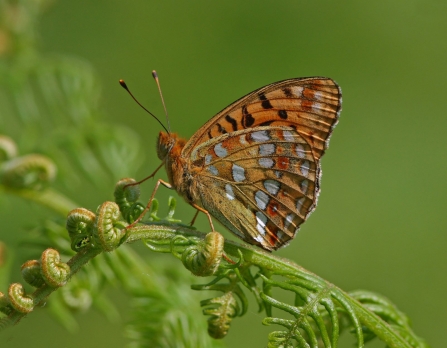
308	311
386	310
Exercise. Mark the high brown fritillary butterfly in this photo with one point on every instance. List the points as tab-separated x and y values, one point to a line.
255	166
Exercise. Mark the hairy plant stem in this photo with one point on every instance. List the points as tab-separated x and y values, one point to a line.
276	264
251	255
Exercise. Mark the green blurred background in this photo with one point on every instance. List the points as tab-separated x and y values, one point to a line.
380	224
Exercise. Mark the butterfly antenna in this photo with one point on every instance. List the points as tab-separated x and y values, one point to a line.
123	84
155	76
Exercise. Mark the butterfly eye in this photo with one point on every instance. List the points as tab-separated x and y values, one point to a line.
165	143
162	149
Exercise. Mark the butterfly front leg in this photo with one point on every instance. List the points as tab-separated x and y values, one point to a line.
148	206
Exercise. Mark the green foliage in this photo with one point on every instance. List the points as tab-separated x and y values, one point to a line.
319	313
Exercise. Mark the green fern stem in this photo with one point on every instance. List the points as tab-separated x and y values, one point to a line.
40	294
271	263
164	232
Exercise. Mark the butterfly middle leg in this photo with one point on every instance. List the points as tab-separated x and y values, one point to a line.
205	212
212	228
194	218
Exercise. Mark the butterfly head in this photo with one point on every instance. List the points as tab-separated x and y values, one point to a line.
167	144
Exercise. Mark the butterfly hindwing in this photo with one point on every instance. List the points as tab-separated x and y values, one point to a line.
261	183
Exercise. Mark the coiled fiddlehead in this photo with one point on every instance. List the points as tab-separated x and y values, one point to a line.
109	229
75	296
203	258
27	172
221	310
19	300
31	273
79	225
126	196
8	148
54	272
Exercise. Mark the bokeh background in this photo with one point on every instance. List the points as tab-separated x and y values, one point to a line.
380	224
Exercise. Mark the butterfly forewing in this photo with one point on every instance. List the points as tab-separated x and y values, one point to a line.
309	105
261	183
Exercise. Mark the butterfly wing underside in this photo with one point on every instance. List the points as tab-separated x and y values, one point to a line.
258	160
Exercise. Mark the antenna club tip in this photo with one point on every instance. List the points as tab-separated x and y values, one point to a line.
154	74
123	84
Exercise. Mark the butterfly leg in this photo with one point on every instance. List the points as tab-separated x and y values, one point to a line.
148	206
212	227
146	178
207	214
194	218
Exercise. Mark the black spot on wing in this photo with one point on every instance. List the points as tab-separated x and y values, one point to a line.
266	123
220	128
233	122
265	102
283	114
262	96
288	92
247	119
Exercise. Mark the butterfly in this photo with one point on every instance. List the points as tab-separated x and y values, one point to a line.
255	166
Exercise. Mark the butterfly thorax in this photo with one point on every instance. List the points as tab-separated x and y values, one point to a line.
169	150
